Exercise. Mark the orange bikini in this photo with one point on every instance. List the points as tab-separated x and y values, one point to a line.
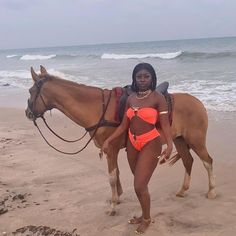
148	115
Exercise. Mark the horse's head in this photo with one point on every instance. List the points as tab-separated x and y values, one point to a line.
37	102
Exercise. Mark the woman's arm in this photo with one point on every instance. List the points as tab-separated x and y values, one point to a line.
119	130
165	125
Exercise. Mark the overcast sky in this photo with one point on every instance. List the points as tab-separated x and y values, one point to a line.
40	23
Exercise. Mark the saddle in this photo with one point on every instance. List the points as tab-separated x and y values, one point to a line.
123	93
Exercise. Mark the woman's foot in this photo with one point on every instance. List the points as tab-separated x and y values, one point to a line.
143	226
135	220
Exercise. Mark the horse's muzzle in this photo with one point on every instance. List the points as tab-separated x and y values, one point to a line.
29	114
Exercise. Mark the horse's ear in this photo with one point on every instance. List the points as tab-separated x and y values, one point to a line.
43	70
35	77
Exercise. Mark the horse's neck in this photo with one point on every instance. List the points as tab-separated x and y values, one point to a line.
80	103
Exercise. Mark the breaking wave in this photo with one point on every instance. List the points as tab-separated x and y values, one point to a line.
37	57
11	56
115	56
168	55
171	55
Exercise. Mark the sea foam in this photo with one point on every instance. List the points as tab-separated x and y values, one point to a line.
168	55
22	78
216	95
37	57
15	74
11	56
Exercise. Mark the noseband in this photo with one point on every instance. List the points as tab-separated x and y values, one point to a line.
31	105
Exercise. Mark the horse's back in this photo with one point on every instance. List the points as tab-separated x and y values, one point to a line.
189	115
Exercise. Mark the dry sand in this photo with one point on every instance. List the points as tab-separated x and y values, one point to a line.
42	188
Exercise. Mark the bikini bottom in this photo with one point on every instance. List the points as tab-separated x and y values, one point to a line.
139	141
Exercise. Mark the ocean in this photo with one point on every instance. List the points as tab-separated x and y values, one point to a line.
205	68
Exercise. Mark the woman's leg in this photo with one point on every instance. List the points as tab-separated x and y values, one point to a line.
132	155
145	166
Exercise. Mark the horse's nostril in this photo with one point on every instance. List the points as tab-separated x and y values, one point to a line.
29	114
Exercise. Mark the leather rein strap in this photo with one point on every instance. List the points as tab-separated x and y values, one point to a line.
65	140
101	122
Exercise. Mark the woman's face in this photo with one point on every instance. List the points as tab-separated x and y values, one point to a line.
143	80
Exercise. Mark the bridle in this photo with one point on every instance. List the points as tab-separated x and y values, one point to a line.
31	105
33	115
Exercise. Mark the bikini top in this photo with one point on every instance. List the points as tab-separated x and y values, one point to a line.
147	114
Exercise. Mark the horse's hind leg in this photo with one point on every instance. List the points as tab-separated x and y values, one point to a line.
183	151
207	162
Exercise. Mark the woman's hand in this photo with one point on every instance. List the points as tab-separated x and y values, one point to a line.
165	155
104	148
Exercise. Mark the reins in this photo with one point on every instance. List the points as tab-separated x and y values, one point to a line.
95	127
39	85
65	140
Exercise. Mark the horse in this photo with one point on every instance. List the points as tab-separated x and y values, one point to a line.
83	104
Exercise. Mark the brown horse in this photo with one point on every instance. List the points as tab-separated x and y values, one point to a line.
83	105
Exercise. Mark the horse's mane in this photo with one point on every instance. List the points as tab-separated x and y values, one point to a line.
68	82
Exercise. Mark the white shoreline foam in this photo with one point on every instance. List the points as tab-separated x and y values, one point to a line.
168	55
11	56
37	57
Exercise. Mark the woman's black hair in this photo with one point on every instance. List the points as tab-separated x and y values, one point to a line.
147	67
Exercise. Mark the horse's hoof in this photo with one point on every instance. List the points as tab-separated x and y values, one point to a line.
110	202
180	194
111	213
211	194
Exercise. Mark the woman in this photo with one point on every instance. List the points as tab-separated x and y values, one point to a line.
143	109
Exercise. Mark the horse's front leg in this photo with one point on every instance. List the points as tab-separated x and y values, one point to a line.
114	180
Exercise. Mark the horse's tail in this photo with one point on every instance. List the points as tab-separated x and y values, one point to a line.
174	159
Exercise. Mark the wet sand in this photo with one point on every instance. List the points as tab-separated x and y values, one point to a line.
43	190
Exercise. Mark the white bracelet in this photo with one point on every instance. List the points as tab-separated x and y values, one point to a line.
163	112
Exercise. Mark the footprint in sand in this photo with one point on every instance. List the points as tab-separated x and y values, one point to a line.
188	226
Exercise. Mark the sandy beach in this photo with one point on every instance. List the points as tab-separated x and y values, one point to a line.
47	47
46	190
